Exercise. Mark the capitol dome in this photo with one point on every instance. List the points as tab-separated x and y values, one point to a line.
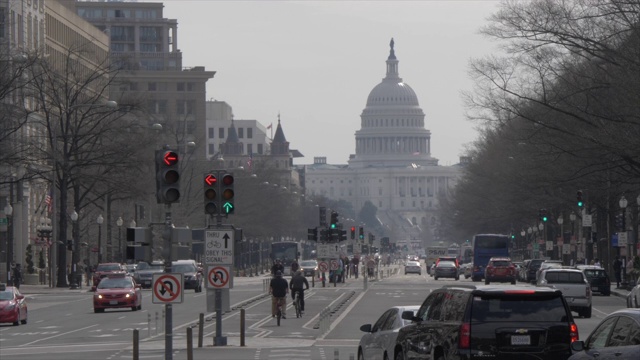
392	92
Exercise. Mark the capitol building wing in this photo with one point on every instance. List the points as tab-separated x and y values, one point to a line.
392	166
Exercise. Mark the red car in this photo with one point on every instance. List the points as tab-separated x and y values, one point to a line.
105	269
500	269
13	306
117	291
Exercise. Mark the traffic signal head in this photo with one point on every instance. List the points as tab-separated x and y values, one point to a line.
227	194
334	219
353	232
361	233
312	234
579	199
343	235
167	177
210	194
543	215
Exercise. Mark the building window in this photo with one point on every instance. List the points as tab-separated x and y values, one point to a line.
180	86
241	133
249	133
212	149
220	133
260	150
210	133
152	86
249	149
191	86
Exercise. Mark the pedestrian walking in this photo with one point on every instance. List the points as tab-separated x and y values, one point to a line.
17	276
617	269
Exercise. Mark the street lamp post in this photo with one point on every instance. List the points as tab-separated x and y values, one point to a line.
635	240
529	231
544	237
572	217
100	220
8	211
623	205
74	251
119	222
560	250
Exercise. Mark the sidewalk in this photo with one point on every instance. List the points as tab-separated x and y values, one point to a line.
623	293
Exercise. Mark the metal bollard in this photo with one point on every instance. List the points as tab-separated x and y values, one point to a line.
201	330
189	343
136	344
242	314
148	324
156	323
313	280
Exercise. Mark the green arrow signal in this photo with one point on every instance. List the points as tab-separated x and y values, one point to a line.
228	207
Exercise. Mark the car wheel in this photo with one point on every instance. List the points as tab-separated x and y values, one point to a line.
98	310
24	322
586	313
457	278
134	308
17	322
140	306
513	282
435	278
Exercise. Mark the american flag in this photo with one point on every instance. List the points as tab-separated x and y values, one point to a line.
250	161
49	200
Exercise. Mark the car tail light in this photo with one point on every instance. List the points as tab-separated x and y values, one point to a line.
573	332
464	337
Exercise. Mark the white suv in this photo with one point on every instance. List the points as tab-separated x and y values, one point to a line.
574	287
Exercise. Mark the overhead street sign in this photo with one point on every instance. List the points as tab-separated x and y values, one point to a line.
331	250
167	288
218	247
218	277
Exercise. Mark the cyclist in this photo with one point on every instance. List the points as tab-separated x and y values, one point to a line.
294	267
296	284
278	288
277	266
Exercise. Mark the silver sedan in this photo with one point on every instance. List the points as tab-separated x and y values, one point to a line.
380	338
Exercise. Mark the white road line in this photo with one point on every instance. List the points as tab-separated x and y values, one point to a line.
61	334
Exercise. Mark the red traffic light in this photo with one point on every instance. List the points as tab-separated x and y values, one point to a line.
170	158
210	180
227	180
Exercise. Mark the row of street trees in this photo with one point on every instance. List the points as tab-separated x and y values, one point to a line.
559	112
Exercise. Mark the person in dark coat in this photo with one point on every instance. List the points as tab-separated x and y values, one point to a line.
617	269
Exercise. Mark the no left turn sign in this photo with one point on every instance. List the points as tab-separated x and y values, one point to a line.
218	277
167	288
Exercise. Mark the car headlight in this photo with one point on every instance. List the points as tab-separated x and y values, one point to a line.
130	295
10	307
99	296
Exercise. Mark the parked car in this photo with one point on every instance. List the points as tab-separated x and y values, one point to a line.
144	272
309	267
574	287
617	336
598	279
105	269
633	299
13	306
446	269
380	338
500	269
192	275
490	322
412	267
548	264
117	291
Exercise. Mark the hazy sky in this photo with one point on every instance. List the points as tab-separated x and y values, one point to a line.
315	62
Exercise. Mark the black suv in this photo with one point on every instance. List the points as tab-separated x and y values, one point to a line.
532	269
488	322
598	279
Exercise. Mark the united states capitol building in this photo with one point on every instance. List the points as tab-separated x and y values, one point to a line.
392	166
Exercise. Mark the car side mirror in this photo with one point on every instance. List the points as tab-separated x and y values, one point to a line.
366	328
19	297
577	345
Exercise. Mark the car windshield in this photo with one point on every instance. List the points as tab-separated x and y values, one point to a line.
183	268
595	274
501	263
446	264
6	295
115	283
558	277
308	264
147	266
108	267
413	263
518	309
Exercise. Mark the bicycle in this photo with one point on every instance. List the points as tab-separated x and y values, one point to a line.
279	310
296	305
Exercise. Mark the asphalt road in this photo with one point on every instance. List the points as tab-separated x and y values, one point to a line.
64	326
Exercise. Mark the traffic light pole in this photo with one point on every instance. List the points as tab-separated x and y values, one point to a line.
219	340
168	310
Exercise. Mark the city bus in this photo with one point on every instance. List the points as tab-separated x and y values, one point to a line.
286	252
486	246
